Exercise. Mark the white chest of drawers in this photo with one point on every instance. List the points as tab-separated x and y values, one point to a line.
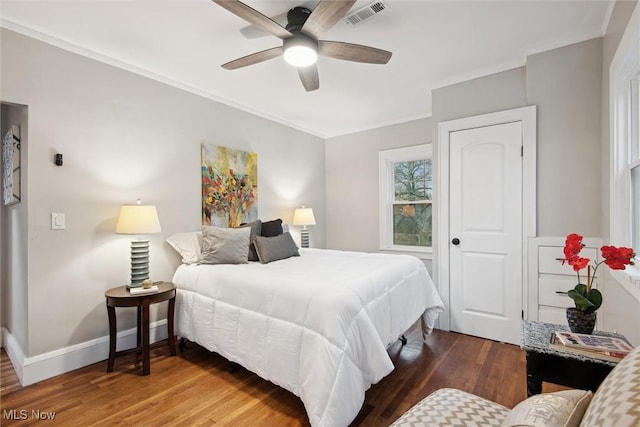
549	279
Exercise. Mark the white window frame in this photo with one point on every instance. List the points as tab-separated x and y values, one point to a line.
386	159
625	68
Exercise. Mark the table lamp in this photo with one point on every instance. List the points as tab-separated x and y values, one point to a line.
304	216
138	219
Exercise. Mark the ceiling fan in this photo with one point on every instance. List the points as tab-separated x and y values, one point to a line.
300	39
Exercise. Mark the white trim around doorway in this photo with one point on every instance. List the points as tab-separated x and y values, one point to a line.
526	115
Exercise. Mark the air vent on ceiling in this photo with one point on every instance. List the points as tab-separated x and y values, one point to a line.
362	14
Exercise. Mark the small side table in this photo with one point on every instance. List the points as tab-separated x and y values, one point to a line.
120	297
557	366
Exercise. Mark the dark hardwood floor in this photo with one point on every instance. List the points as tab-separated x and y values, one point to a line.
196	387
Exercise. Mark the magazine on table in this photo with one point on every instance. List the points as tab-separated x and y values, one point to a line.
610	356
593	342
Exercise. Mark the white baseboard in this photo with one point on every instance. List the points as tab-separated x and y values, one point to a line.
14	351
32	369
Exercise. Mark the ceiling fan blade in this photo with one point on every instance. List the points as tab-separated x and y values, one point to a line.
325	15
254	32
353	52
254	58
309	77
254	17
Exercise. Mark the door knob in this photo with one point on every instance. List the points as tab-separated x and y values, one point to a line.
455	241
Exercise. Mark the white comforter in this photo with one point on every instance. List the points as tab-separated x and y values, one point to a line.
317	325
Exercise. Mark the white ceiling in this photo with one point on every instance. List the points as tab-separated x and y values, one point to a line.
434	43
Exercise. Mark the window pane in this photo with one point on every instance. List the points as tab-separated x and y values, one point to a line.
635	207
412	180
412	224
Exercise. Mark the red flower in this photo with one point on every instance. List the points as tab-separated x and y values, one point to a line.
617	258
586	298
574	237
572	246
578	263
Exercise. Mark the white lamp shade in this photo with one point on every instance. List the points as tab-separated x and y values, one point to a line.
303	216
138	219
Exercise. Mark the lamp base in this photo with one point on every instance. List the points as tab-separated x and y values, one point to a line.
304	238
139	263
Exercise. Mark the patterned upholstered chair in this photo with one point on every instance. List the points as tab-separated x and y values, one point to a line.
616	403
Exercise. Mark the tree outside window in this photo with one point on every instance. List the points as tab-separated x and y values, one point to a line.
413	186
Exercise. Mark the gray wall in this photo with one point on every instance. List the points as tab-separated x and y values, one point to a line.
563	83
352	181
13	241
496	92
123	137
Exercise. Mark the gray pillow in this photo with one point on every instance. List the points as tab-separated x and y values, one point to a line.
275	248
256	227
225	245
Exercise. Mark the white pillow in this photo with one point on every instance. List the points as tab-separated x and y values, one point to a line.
187	245
225	245
560	409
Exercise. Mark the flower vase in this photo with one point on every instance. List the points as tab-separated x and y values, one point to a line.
235	216
580	322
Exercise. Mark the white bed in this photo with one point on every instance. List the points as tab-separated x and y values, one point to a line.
317	325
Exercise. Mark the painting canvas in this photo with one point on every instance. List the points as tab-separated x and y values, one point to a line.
229	186
11	166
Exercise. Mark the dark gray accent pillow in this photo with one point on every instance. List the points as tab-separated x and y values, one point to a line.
275	248
271	228
225	245
256	228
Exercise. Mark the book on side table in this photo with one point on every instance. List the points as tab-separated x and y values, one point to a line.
142	291
606	348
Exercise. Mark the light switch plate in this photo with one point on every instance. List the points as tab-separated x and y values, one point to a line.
57	221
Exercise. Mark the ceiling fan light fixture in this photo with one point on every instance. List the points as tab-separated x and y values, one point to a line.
300	50
300	56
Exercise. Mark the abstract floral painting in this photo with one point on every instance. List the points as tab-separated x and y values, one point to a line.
229	186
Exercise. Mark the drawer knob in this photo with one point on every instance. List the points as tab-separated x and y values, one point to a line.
455	241
561	292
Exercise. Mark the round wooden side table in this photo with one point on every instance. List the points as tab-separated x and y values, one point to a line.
121	297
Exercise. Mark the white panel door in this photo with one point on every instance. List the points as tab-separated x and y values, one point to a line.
485	222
